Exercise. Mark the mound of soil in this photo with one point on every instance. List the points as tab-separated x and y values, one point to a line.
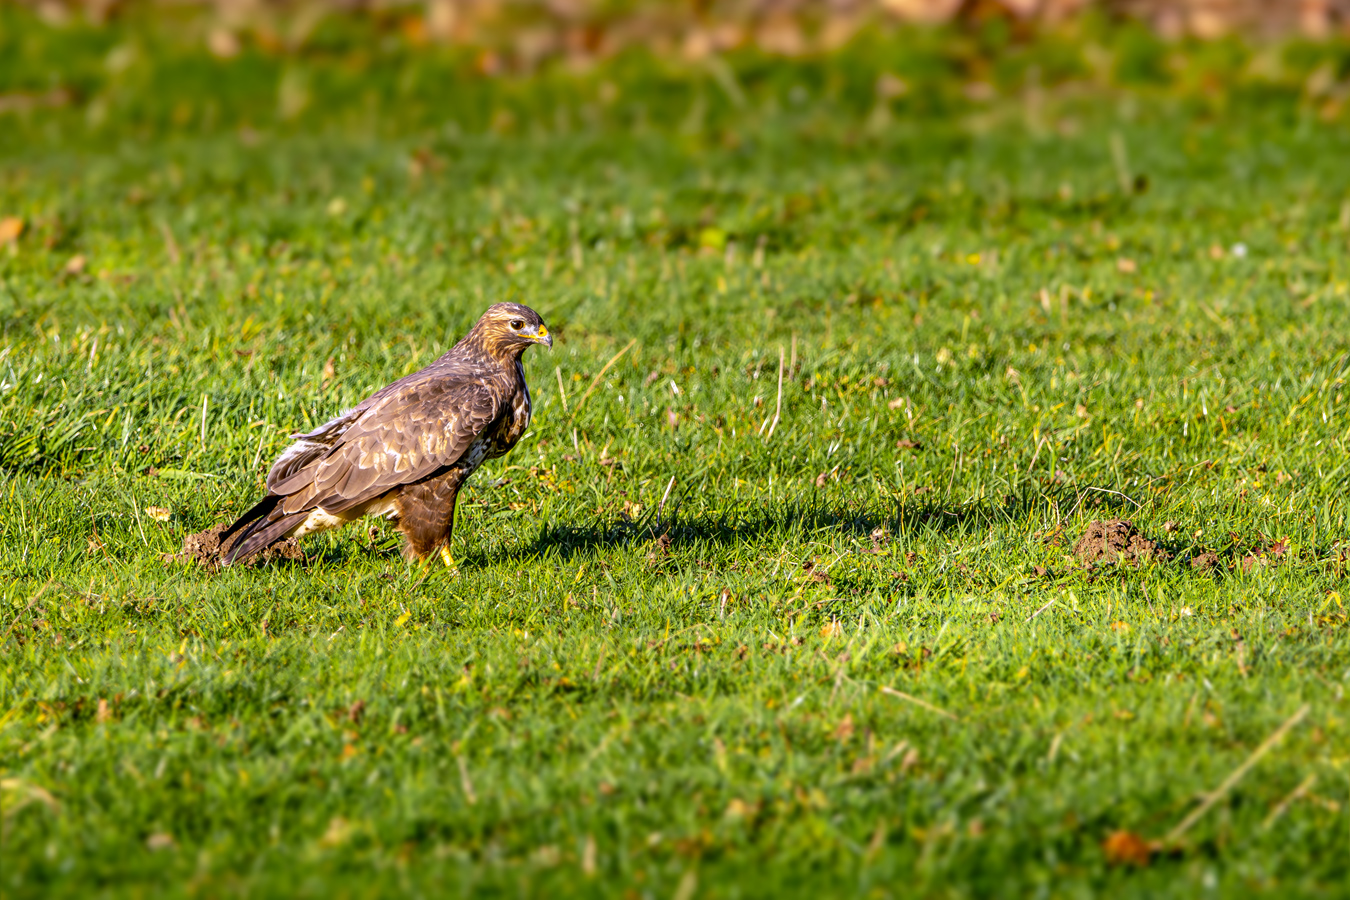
206	549
1117	541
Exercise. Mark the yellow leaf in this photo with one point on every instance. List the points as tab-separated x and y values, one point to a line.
398	623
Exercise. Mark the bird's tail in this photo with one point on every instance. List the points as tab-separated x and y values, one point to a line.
259	511
259	528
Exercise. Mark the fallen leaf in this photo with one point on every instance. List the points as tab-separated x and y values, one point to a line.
222	43
889	87
879	538
1127	848
338	830
76	264
833	629
158	513
160	841
1120	626
844	730
1126	266
739	809
10	229
897	403
907	444
329	373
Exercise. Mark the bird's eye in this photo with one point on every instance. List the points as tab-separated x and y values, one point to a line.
517	324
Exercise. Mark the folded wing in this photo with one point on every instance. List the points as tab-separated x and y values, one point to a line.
395	438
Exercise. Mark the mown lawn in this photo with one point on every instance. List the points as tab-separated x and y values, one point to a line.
666	665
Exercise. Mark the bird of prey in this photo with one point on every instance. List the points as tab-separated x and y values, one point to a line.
404	451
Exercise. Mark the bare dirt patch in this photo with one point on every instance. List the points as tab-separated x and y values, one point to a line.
206	549
1117	541
1205	562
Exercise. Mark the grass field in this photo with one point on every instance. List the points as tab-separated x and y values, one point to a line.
667	664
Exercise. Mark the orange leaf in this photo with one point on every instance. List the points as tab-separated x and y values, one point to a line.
10	229
1127	848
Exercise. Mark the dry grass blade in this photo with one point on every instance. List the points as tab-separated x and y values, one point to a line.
562	392
660	510
601	374
917	702
170	245
1235	776
464	781
778	407
1041	610
1283	806
31	600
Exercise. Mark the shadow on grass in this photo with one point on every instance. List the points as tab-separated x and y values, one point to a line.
792	520
795	520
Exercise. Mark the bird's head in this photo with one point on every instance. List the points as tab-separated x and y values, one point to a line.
507	329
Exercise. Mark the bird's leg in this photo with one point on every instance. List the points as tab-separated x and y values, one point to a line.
447	558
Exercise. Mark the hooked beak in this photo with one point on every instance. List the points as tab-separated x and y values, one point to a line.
541	336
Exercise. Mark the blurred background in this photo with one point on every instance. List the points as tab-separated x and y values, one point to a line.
514	37
528	32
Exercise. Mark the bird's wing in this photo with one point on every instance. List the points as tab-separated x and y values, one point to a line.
399	438
310	448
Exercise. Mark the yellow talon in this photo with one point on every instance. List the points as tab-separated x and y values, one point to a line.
447	558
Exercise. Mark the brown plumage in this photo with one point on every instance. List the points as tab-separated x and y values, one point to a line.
403	452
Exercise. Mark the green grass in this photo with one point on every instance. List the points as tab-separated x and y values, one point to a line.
581	709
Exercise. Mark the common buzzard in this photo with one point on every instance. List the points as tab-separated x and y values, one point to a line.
404	452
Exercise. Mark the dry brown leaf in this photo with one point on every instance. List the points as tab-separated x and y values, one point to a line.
10	229
160	841
889	87
1126	266
222	43
844	730
158	513
1127	848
